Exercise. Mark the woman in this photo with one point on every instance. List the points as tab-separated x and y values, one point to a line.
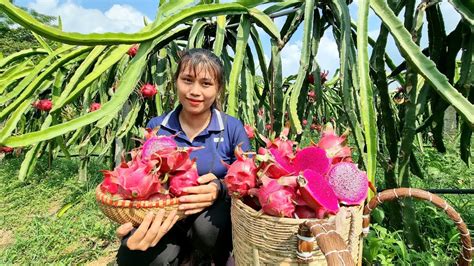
195	122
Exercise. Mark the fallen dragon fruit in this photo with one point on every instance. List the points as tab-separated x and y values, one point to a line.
241	175
317	193
349	183
184	179
133	180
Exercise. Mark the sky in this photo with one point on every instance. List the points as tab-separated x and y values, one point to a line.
128	15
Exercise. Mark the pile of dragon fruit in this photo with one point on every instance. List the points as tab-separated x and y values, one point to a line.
285	181
158	170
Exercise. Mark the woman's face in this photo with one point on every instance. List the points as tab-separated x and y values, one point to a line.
197	90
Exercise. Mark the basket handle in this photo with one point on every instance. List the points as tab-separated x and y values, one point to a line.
335	248
329	241
465	258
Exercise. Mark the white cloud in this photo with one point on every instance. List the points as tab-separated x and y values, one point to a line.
374	33
328	54
450	16
327	57
75	18
290	58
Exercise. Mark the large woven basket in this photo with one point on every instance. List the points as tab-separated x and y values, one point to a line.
261	239
123	211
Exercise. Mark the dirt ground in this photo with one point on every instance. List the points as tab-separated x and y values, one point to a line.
6	238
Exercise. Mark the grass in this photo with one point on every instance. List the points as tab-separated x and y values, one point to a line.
384	247
53	218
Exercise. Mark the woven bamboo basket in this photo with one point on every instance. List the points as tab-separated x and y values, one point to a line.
134	211
261	239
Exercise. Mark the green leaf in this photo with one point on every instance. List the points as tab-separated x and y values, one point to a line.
33	74
196	34
465	8
242	38
220	33
424	66
366	93
303	68
78	76
148	33
129	120
21	55
42	43
11	124
126	87
265	22
28	164
28	91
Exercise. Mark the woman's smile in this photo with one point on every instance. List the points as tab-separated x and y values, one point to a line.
194	102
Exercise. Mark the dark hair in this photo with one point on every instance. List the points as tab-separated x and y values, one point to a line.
202	58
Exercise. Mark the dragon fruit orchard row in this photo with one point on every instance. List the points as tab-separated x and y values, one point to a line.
286	181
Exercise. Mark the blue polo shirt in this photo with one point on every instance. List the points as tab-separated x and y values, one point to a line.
219	139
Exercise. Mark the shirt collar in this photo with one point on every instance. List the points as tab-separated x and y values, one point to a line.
171	120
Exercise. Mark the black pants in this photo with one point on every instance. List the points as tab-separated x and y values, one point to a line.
208	233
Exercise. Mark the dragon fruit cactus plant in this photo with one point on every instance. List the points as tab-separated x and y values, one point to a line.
158	169
285	180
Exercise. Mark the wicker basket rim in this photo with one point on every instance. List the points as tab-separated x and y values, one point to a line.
105	199
259	214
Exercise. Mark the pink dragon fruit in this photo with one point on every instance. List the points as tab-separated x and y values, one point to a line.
304	212
132	51
164	149
317	193
273	163
249	130
148	90
176	160
313	158
156	143
276	199
5	149
335	145
277	157
43	105
183	179
241	175
94	107
133	180
349	183
282	144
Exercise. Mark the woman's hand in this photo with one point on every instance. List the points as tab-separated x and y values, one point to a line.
199	197
150	231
